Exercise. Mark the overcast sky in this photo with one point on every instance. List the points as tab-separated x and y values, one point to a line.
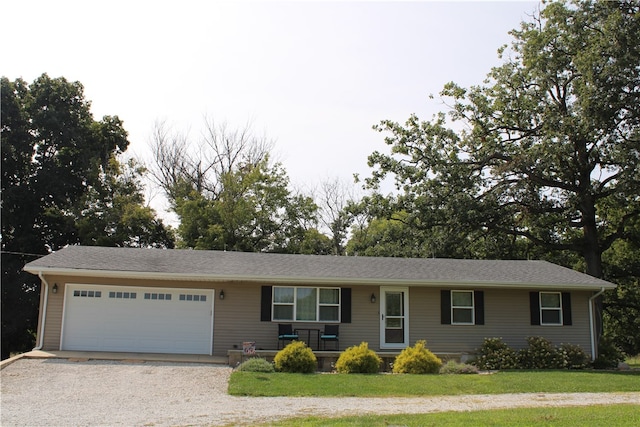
313	76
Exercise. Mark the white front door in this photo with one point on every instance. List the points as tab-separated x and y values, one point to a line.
394	317
137	319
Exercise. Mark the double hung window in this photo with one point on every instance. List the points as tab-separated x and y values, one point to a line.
462	308
550	308
303	304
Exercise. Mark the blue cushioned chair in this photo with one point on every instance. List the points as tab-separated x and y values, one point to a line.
285	333
331	333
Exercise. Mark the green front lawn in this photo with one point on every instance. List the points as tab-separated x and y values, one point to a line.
281	384
611	415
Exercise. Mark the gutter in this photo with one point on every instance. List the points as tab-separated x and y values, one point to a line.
44	312
353	281
593	338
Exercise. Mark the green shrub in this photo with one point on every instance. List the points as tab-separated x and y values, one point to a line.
453	367
417	360
296	358
256	364
540	354
358	359
608	355
573	356
494	354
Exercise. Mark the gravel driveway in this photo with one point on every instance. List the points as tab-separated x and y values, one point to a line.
58	392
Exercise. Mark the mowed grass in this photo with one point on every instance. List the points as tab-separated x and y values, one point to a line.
609	415
388	385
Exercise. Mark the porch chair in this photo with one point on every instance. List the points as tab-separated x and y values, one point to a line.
285	333
331	333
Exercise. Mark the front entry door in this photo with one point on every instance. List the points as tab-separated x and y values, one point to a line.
394	317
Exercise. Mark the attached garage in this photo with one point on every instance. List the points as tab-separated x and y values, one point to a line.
137	319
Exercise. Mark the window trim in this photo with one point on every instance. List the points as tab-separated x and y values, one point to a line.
317	308
559	309
472	307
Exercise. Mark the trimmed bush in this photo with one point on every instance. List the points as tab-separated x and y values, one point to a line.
494	354
540	354
453	367
358	359
417	360
296	358
256	364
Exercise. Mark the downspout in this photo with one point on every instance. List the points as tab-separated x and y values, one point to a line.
44	312
593	338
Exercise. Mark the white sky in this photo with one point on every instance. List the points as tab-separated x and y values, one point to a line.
313	76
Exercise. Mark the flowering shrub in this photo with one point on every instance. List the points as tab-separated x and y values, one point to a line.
358	359
540	354
573	356
495	354
417	360
296	357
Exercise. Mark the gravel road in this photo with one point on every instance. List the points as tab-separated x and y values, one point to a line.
59	392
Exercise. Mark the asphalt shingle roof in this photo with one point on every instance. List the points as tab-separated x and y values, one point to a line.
277	268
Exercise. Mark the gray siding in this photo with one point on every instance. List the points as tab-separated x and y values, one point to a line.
507	316
237	317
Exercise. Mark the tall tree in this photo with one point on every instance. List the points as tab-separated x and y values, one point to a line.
547	149
550	143
228	194
254	211
58	167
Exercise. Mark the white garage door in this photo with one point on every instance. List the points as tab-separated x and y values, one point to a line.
145	320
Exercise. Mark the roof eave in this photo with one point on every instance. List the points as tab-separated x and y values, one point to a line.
309	280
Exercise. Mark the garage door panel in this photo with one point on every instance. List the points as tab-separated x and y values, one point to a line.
157	320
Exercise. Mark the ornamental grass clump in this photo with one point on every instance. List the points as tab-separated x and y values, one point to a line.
256	364
417	360
358	359
453	367
296	358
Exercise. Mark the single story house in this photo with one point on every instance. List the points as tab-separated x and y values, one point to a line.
210	302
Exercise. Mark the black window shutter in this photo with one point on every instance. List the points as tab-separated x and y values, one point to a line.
445	307
534	304
478	297
265	304
345	305
566	308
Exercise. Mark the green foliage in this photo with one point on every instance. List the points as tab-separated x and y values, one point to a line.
453	367
359	359
573	356
230	196
494	354
61	185
256	364
296	357
545	165
609	355
622	305
417	360
540	354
